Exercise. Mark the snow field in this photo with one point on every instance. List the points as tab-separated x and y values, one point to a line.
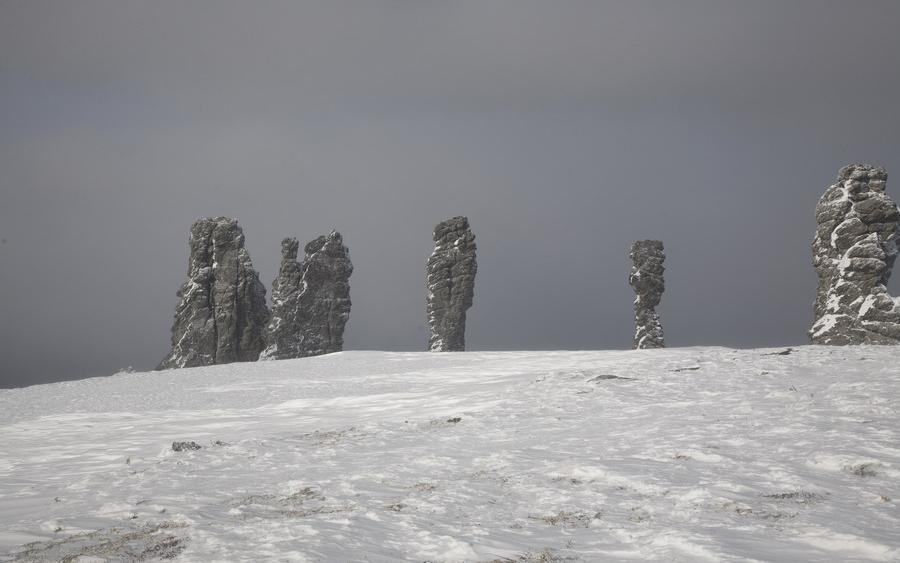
693	454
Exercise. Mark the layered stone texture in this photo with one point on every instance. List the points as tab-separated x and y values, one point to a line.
310	300
853	252
647	280
222	313
450	278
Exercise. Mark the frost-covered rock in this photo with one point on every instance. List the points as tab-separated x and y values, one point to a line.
310	300
450	277
853	252
222	313
647	280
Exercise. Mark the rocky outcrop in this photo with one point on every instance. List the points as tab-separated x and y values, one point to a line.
310	300
647	280
222	313
853	252
450	277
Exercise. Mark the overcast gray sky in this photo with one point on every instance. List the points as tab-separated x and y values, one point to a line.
564	130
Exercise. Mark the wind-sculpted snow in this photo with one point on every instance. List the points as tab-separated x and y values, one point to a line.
310	300
450	278
222	312
853	253
647	280
697	454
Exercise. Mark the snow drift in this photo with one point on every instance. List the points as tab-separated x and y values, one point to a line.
695	454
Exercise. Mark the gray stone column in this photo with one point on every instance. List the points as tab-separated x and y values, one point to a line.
450	278
853	253
647	280
222	312
310	300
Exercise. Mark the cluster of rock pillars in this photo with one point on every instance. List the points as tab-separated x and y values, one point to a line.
223	316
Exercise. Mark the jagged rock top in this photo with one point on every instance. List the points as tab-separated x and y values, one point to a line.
450	279
289	248
854	252
222	312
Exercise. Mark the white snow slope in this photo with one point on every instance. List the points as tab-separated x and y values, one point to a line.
693	454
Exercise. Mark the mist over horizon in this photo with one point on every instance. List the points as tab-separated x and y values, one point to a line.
563	132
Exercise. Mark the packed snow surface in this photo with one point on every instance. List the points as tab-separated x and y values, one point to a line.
692	454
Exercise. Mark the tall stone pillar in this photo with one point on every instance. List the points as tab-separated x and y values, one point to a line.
647	280
310	300
853	252
222	313
450	278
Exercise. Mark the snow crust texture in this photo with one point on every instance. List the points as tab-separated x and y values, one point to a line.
222	311
450	278
647	280
854	252
311	300
685	455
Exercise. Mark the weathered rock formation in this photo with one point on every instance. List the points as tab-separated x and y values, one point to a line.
310	300
450	277
853	253
222	313
647	280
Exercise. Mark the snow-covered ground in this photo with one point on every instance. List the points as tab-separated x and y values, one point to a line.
693	454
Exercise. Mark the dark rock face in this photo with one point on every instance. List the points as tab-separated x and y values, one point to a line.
853	252
450	277
310	300
223	312
185	446
647	280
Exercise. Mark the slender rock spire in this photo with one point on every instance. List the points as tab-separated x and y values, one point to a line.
450	278
647	280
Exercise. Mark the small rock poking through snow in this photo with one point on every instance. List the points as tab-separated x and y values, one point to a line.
185	446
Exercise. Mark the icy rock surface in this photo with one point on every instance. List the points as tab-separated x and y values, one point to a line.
853	252
701	454
310	300
222	313
647	280
450	277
